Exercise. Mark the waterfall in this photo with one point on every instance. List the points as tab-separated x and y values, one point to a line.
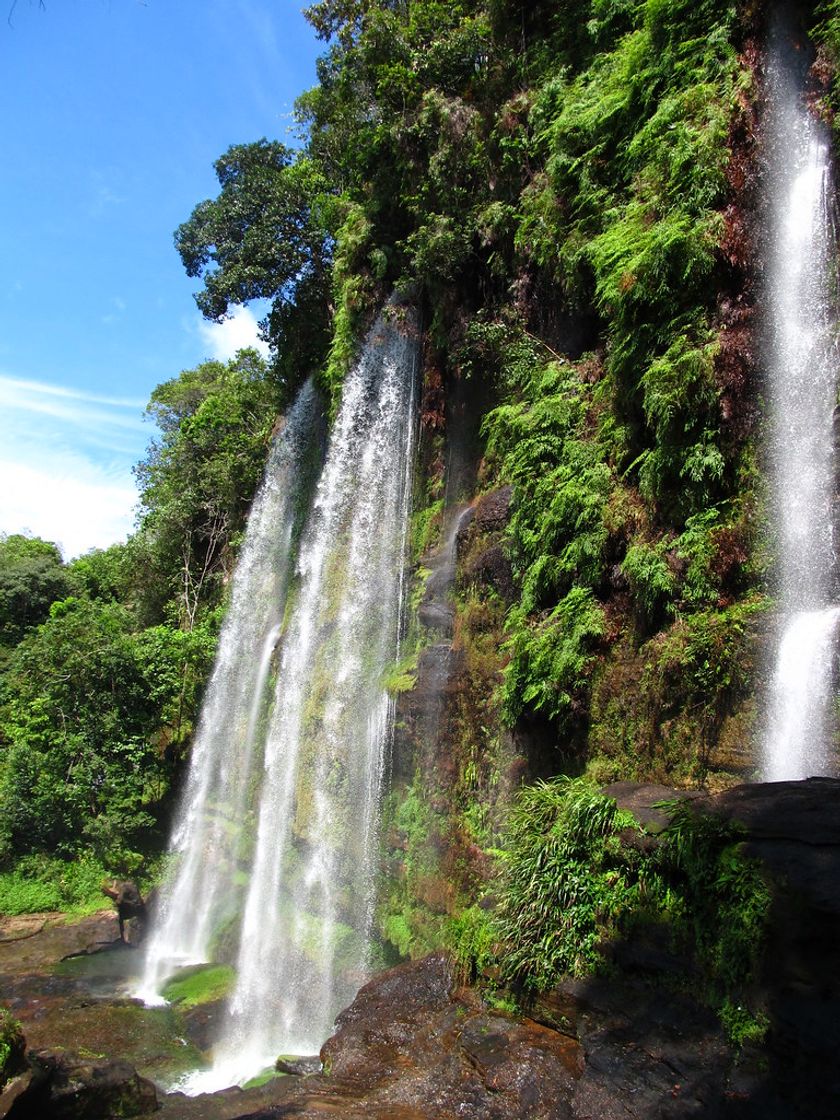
209	834
802	369
306	919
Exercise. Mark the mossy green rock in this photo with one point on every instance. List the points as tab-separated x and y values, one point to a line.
199	984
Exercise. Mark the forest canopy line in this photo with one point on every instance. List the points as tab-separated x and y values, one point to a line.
565	188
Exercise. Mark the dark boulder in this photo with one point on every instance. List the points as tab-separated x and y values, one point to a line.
131	909
300	1067
647	802
792	829
493	568
425	1047
492	510
67	1087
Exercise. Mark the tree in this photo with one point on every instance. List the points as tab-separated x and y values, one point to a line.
263	236
198	480
80	766
32	576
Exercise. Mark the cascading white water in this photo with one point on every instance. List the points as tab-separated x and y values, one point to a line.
802	365
306	927
208	838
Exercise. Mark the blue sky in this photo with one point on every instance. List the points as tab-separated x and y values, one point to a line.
112	113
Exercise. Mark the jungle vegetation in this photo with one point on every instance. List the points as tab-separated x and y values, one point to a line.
566	187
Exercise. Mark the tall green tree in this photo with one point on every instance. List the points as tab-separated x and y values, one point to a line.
32	576
80	765
262	237
198	479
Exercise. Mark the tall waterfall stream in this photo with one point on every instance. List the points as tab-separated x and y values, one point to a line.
802	378
277	835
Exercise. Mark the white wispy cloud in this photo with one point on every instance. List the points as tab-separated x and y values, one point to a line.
237	332
66	463
22	393
114	316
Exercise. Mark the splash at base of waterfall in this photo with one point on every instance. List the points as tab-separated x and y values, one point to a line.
801	686
224	1075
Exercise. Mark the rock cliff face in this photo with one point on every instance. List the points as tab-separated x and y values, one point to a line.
793	830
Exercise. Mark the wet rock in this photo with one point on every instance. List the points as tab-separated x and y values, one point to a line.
437	616
22	926
414	1042
804	811
492	511
14	1094
492	567
793	830
420	712
383	1017
202	1023
526	1061
650	1055
643	801
50	939
73	1088
296	1066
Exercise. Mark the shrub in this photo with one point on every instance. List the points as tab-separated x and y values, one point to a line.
12	1046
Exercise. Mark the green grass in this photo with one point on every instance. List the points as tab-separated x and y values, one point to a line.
42	883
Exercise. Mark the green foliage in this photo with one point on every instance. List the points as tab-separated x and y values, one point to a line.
727	896
561	479
406	924
32	577
396	930
742	1025
197	481
354	298
550	659
104	573
262	237
402	676
681	704
650	578
79	763
570	884
626	215
176	664
41	883
425	528
474	940
556	882
826	33
12	1046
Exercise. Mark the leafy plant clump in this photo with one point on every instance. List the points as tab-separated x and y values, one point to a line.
12	1046
558	883
571	884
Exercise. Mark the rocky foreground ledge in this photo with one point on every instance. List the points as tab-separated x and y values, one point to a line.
417	1045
